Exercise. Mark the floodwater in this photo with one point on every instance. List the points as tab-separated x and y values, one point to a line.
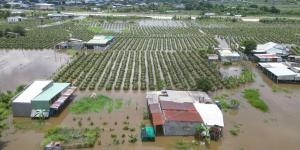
230	71
23	66
277	130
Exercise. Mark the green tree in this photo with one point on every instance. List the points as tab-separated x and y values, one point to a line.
249	46
20	30
204	84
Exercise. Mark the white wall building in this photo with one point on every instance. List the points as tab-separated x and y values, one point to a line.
228	55
271	48
14	19
44	6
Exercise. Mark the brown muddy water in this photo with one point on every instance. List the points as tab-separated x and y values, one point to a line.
277	130
23	66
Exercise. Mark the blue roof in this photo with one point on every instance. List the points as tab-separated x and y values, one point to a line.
51	92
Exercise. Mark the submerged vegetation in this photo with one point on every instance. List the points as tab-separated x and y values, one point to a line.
226	104
253	97
5	105
95	104
72	138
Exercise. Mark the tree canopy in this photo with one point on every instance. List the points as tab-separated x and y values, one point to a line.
250	45
204	84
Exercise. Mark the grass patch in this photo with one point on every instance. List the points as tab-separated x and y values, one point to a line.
33	124
253	97
95	104
276	88
72	138
183	145
96	29
235	130
71	52
226	104
118	103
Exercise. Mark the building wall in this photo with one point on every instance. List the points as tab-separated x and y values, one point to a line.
179	128
21	109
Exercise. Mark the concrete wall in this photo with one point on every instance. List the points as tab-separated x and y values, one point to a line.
21	109
179	128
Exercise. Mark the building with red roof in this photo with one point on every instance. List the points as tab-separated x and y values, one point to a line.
174	113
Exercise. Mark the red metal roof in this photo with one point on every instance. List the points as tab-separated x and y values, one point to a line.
154	108
157	119
175	115
168	105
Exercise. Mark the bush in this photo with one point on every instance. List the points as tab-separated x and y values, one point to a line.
253	97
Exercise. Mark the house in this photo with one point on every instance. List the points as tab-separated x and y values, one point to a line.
14	19
177	112
228	55
281	71
44	6
46	96
209	14
71	43
99	42
267	58
59	15
212	57
294	58
271	48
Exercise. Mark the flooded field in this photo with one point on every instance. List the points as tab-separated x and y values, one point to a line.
23	66
229	71
278	129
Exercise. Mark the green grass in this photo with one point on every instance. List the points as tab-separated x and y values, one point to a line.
71	52
95	104
78	137
96	29
118	103
276	88
183	145
235	130
253	97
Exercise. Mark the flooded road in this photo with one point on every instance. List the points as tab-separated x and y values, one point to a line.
277	130
23	66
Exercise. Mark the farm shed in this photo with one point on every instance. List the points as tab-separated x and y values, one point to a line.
45	99
271	48
14	19
99	41
210	114
41	97
280	72
174	113
71	43
21	104
212	57
44	6
228	55
267	58
294	58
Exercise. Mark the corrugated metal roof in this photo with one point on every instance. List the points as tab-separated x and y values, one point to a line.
210	113
154	108
51	92
174	115
157	118
32	91
100	39
168	105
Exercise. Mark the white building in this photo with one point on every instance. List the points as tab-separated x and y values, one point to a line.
280	71
271	48
14	19
44	6
228	55
21	104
